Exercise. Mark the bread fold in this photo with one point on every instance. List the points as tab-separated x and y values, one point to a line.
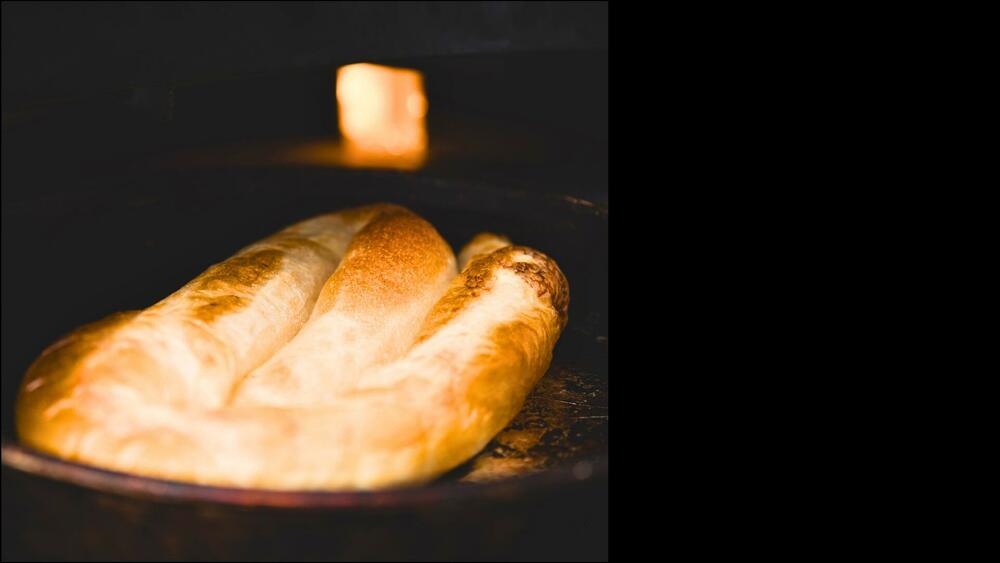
344	352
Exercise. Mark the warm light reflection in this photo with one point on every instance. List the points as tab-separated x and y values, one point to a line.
382	113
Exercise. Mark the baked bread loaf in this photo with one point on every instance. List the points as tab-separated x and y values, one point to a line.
344	352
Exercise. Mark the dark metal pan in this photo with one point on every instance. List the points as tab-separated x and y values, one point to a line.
537	491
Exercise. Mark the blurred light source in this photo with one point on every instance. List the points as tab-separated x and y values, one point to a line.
382	113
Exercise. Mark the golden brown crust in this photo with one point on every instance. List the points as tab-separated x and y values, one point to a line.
182	348
227	287
241	272
149	392
544	276
395	237
541	273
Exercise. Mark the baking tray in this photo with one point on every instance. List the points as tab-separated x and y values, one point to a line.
539	490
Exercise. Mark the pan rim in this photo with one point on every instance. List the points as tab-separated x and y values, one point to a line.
29	461
22	459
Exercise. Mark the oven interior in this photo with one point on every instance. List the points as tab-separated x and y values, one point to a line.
143	142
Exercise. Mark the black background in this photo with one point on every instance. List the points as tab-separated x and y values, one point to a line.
518	91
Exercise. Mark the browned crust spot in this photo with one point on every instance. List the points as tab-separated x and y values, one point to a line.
214	307
389	259
543	275
240	272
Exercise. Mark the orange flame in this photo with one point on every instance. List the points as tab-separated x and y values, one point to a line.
382	115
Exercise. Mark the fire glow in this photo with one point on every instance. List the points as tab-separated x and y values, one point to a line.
382	115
